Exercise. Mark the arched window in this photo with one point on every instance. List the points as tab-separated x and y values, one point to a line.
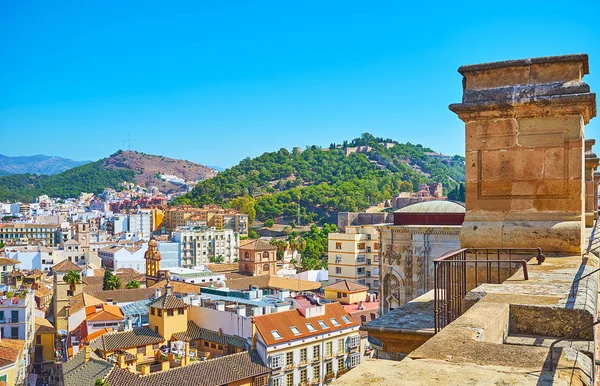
247	255
266	267
246	268
265	255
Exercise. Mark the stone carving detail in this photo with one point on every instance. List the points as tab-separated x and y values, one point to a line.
391	289
408	272
421	253
393	257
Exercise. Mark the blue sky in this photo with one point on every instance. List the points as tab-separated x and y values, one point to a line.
215	82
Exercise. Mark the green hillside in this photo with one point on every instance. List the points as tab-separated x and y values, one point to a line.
325	181
92	178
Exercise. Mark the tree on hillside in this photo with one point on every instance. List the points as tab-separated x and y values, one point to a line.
245	204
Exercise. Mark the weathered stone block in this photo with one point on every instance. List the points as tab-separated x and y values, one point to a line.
555	72
493	78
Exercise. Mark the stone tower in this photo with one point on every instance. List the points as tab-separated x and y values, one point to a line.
83	235
153	258
524	123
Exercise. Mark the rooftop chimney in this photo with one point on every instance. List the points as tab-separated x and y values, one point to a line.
157	293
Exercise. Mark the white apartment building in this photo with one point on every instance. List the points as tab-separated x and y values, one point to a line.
120	256
198	246
195	276
312	344
140	223
17	319
354	255
34	256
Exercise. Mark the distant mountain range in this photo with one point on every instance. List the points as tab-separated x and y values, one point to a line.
36	164
168	174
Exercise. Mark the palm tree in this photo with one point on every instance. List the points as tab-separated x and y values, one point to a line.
132	284
72	278
113	283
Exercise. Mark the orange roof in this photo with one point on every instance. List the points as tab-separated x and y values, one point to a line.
103	312
282	321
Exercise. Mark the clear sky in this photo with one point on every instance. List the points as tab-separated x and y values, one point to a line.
216	81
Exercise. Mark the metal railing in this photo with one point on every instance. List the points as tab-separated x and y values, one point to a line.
573	287
458	272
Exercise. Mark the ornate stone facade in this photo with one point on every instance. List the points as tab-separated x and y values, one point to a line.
406	263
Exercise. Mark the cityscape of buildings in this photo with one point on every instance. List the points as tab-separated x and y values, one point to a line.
125	288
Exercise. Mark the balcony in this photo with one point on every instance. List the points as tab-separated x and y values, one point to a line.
329	376
316	381
302	363
342	372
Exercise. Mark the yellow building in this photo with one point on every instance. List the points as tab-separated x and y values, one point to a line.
43	358
167	314
346	292
354	255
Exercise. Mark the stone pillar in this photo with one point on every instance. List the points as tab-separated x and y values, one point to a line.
524	124
591	198
596	183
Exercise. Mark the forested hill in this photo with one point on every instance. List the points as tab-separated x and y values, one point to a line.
326	181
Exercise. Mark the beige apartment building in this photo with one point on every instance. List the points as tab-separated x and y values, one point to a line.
354	255
25	233
208	216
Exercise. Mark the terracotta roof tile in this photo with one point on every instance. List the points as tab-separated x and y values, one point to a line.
219	371
167	302
103	312
66	266
77	372
274	282
126	339
222	267
7	261
282	321
195	332
42	326
122	295
179	287
11	349
346	285
257	245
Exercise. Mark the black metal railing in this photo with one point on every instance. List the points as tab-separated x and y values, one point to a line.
458	272
570	335
574	287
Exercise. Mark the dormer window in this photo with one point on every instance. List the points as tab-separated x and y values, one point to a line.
310	327
275	334
295	330
334	322
345	319
322	324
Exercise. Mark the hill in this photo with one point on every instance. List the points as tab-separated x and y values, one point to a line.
347	177
36	164
168	174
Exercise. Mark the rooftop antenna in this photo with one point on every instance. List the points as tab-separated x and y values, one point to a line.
129	141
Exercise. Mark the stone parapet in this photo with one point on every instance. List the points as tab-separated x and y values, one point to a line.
525	152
